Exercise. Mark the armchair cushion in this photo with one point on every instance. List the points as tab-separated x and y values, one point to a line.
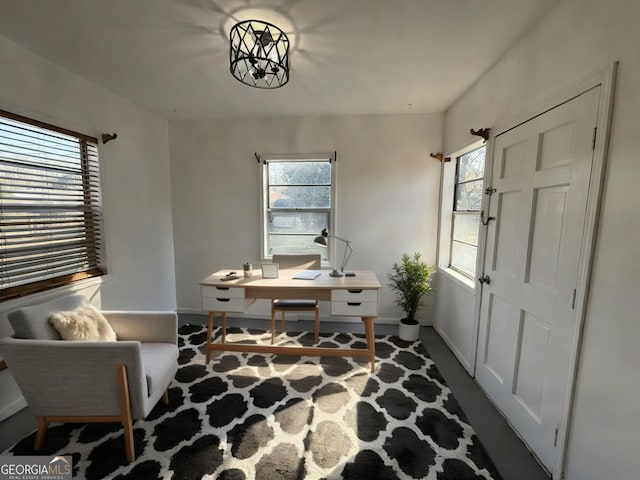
83	323
32	322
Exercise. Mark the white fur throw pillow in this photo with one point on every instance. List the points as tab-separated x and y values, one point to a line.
83	323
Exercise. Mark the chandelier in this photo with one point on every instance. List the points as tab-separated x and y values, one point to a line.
259	54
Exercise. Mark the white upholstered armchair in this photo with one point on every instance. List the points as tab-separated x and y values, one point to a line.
91	381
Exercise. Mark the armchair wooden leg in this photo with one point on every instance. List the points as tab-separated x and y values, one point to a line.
317	324
43	425
282	323
165	397
127	421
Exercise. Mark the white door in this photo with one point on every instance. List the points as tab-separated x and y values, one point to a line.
540	172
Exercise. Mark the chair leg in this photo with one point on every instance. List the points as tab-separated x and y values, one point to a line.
125	405
43	425
273	324
317	324
165	397
282	329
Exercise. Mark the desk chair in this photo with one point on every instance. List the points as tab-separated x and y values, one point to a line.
299	262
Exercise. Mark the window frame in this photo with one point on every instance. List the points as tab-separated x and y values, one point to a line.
264	160
445	215
455	212
78	226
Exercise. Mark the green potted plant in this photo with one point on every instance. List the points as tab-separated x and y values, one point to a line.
410	280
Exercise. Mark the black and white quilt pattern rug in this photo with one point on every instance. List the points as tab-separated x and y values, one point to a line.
248	416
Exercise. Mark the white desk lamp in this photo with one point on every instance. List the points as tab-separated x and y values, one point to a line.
322	240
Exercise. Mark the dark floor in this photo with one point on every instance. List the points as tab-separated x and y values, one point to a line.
509	454
511	457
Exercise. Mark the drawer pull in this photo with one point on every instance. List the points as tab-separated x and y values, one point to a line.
354	304
222	288
355	291
223	299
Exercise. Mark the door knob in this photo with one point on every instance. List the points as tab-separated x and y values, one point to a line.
485	279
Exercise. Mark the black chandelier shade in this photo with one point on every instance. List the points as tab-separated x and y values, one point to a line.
259	54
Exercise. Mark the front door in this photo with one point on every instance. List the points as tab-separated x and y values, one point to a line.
540	173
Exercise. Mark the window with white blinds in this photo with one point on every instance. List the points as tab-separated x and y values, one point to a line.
50	206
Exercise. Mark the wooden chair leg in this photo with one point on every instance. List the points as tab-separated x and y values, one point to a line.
273	324
282	329
125	405
165	397
43	425
317	324
223	338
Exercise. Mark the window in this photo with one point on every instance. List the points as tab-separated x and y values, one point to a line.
467	199
50	206
297	200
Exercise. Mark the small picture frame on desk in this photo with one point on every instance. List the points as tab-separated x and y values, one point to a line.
269	270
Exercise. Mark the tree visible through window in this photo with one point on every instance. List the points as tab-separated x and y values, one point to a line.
466	211
298	200
50	206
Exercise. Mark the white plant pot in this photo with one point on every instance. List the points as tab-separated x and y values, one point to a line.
408	332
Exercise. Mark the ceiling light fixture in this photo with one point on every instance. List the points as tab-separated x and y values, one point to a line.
259	54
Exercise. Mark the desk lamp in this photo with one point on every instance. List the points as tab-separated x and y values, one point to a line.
322	240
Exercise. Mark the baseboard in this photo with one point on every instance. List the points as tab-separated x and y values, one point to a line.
458	354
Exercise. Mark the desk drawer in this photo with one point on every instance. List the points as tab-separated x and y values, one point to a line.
221	304
222	292
354	295
355	309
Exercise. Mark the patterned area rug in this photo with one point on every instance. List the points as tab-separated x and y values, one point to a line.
254	416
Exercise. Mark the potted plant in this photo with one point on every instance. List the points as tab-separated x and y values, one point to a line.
410	280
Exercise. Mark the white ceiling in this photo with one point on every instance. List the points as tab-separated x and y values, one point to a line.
350	57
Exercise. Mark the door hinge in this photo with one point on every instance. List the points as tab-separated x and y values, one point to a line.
489	190
573	299
555	437
593	140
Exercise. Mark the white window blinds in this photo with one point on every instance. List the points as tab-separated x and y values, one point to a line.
50	206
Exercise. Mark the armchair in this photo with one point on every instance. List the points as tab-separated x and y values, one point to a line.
91	381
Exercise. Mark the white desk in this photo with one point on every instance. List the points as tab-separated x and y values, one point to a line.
349	296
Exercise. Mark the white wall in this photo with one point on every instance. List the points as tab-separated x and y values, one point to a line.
135	171
455	295
578	38
454	304
387	191
135	177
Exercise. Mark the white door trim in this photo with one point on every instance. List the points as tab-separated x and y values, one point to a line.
606	78
594	200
